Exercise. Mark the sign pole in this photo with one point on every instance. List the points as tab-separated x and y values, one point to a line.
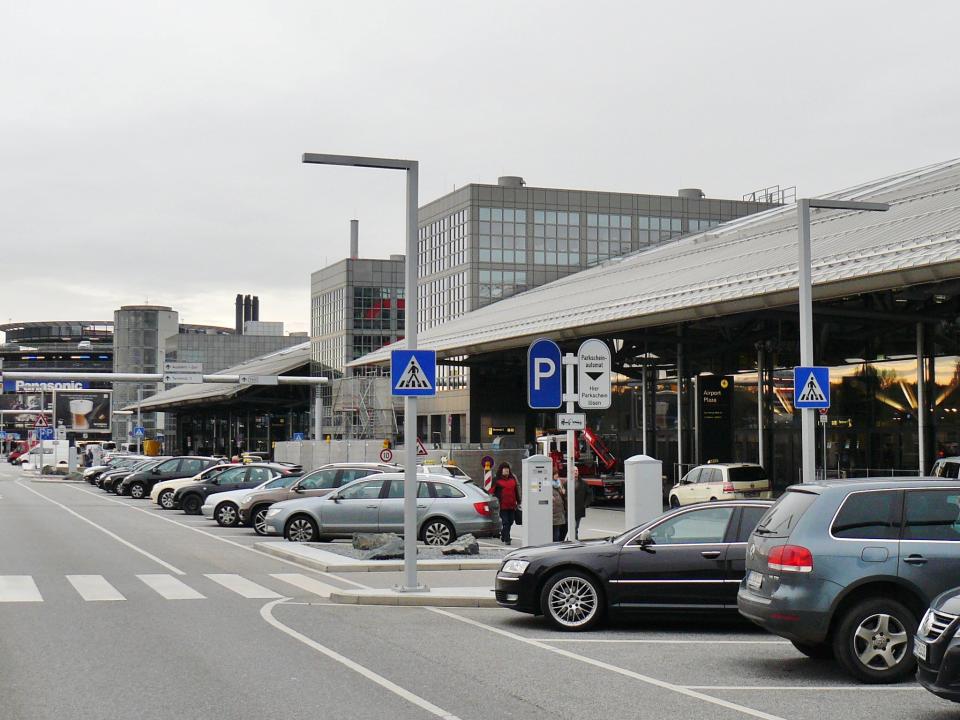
808	454
410	401
139	420
570	362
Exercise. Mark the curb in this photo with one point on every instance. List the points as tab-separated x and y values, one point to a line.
348	565
413	599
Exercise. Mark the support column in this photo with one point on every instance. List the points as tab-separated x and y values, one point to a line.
760	403
643	398
679	410
921	404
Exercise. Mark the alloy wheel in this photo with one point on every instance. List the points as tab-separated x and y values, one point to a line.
573	602
227	515
260	521
437	533
300	530
166	499
880	641
136	491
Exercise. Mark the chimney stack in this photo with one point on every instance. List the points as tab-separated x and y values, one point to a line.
247	310
256	308
239	314
354	239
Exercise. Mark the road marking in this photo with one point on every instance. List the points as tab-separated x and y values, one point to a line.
170	588
102	529
266	612
303	582
19	588
663	642
242	586
679	689
221	539
94	588
816	688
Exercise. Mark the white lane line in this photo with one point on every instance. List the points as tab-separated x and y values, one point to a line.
815	688
94	588
303	582
266	612
244	587
222	539
168	566
19	588
662	642
679	689
170	588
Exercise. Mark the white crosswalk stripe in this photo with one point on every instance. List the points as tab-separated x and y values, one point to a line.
303	582
19	588
170	587
244	587
94	588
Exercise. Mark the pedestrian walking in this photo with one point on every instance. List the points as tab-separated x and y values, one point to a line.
559	510
506	489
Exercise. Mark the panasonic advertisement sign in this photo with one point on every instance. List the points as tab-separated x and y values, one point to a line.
35	386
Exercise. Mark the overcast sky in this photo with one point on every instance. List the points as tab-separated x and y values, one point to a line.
151	150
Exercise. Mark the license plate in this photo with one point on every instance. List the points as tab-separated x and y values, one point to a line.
754	580
920	649
751	493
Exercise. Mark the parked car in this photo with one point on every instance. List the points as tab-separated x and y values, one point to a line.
721	481
937	647
447	470
223	506
686	560
190	498
253	505
163	492
138	485
848	568
110	481
20	449
946	467
446	509
117	462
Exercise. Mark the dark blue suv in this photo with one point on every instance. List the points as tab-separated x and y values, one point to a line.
848	568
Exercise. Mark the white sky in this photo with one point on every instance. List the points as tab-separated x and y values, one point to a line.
151	150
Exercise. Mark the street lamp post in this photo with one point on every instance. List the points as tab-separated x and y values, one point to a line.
808	417
412	169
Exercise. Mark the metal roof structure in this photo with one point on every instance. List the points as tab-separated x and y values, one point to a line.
744	265
275	363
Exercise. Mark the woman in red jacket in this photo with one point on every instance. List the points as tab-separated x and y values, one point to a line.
506	488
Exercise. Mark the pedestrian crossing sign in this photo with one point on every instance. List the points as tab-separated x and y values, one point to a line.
811	387
413	372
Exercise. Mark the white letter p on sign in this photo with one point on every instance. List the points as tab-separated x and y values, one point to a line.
543	368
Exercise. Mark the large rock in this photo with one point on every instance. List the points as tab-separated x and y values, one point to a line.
391	550
465	545
369	541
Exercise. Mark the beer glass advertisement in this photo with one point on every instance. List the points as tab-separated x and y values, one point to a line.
82	411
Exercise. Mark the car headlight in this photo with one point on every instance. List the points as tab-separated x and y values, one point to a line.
515	567
247	499
273	511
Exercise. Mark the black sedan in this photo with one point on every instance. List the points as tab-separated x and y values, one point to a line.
689	559
191	497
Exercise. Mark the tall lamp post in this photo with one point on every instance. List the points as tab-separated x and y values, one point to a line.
808	417
412	169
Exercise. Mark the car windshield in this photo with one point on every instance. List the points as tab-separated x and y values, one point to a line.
281	482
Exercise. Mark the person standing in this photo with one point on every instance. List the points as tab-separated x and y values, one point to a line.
506	489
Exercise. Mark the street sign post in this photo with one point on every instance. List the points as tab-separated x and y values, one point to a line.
182	367
182	378
259	380
298	437
811	387
571	421
593	375
46	433
544	383
139	431
413	373
421	449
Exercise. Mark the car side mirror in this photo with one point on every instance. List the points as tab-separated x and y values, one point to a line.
155	471
297	489
645	538
335	498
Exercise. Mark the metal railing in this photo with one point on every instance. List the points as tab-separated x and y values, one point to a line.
855	473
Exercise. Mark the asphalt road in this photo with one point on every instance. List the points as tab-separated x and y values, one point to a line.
111	608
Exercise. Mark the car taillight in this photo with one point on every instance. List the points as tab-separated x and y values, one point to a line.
728	487
790	558
482	508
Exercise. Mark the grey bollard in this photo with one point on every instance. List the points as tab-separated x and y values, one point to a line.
643	489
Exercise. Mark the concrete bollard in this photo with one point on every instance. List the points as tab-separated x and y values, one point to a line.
643	489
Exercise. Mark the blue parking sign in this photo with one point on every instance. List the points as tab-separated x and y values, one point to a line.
544	375
811	387
413	372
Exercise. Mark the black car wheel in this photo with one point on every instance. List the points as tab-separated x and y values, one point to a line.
166	500
438	531
118	488
301	528
674	501
572	600
874	641
138	490
819	651
226	515
258	519
191	504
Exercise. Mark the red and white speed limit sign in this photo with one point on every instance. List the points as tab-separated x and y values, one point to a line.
386	455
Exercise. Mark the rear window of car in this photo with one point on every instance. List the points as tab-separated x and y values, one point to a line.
946	469
868	516
746	474
784	516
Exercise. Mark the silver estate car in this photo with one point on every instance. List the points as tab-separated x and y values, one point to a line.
446	509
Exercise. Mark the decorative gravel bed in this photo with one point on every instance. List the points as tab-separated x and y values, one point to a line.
424	552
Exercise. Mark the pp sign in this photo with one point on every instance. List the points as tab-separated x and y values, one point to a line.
544	379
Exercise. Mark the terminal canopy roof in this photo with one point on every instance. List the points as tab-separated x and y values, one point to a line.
276	363
745	265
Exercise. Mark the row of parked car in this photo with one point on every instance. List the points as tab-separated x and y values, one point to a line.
334	501
862	571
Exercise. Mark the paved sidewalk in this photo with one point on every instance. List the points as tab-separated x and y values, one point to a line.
332	562
433	597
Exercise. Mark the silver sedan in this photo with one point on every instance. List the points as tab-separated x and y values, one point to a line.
446	509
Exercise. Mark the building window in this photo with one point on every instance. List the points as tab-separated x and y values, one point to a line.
442	244
371	308
556	238
498	284
655	230
607	236
502	236
701	225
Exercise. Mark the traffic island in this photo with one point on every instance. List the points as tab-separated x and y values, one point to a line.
341	559
478	597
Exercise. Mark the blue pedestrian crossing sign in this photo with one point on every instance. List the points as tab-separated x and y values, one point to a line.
413	372
811	387
3	435
139	431
298	437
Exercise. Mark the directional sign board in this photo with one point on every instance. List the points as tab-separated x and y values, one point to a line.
593	375
182	378
46	433
811	387
571	421
259	380
182	367
544	375
139	431
413	372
